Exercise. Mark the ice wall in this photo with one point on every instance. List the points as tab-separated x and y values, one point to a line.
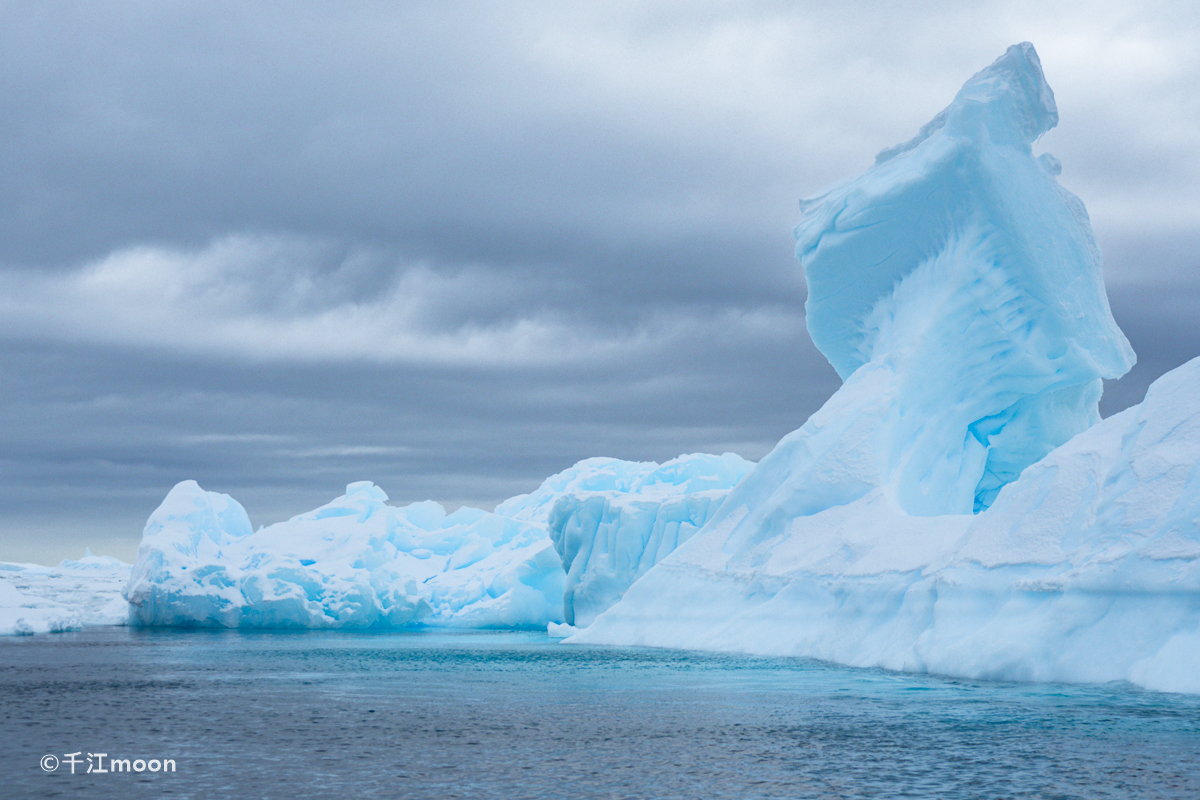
609	535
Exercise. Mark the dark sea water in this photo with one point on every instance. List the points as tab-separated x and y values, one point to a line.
516	715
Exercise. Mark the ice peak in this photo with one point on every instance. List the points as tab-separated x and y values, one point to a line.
1010	98
969	279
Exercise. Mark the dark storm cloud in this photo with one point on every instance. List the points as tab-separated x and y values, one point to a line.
451	135
455	247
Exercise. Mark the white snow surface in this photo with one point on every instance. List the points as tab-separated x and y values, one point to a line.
40	599
957	289
1085	569
358	562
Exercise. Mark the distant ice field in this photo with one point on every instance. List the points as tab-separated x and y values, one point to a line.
486	714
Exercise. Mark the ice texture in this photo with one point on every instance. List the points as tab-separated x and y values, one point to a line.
359	562
609	534
72	595
683	475
956	287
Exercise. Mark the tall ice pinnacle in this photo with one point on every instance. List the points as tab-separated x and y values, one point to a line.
961	266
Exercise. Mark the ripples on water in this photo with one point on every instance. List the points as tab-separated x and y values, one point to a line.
514	715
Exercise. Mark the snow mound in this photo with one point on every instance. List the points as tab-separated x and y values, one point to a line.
608	539
40	599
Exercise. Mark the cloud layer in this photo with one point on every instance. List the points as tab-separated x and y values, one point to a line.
454	247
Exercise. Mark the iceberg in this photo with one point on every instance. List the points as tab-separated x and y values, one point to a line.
355	562
957	506
70	596
358	562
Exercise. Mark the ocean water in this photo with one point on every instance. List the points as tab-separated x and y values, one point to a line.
517	715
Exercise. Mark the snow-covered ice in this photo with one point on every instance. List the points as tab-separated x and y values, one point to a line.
1086	568
359	562
40	599
956	287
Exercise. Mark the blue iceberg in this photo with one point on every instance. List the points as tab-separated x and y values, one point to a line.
359	562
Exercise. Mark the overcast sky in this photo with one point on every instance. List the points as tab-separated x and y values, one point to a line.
454	248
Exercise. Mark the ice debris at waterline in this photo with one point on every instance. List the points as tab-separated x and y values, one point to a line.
40	599
359	562
956	287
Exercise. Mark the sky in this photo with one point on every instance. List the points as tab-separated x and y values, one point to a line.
453	248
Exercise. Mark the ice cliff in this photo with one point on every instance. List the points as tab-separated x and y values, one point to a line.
956	288
359	562
610	534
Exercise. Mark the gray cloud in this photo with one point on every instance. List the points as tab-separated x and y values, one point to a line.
455	247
